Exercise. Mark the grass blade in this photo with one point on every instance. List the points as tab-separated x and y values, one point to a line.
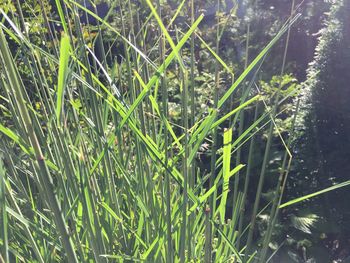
62	76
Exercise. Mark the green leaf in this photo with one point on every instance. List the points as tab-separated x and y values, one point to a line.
62	75
306	197
226	172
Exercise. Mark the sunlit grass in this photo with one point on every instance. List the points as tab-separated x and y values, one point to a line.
95	170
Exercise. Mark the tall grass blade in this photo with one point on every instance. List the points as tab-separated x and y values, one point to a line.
315	194
3	212
62	75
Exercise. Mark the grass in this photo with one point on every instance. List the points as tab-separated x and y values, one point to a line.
94	168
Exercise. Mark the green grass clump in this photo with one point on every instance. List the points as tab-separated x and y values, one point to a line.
95	169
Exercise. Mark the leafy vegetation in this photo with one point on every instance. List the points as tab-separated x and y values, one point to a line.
134	131
323	134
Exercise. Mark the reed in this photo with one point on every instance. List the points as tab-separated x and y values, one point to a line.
94	168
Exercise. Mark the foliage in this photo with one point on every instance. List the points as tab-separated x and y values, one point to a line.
141	136
323	132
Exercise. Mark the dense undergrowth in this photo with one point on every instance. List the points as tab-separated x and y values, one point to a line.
119	145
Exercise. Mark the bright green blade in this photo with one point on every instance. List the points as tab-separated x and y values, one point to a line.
62	76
